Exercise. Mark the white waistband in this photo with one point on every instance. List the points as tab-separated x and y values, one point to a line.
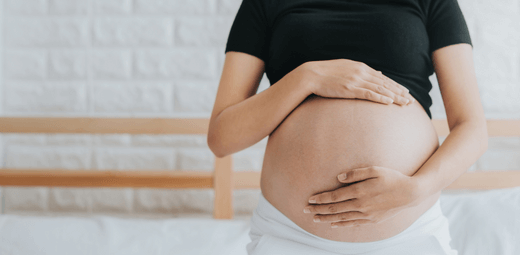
269	220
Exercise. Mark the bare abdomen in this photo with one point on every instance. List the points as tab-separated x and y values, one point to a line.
323	137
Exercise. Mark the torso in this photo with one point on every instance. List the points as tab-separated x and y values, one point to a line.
324	137
389	36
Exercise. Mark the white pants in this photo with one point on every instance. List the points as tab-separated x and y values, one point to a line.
272	233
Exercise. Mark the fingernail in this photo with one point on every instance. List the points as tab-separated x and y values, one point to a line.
312	200
306	210
316	219
342	176
406	101
333	226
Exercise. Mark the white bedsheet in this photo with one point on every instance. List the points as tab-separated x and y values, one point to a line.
483	223
31	235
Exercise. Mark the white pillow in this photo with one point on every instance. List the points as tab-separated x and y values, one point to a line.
484	222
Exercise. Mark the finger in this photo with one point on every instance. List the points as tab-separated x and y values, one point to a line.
359	174
367	94
379	78
338	195
386	92
391	82
352	215
350	223
345	206
404	91
376	76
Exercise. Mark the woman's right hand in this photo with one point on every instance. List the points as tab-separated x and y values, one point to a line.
344	78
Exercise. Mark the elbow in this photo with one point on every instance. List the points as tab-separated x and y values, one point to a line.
216	148
214	142
478	129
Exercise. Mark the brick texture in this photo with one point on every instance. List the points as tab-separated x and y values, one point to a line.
147	58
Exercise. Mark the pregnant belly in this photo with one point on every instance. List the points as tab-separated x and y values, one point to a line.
323	137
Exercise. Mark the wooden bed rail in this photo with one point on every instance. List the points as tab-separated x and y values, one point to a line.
223	180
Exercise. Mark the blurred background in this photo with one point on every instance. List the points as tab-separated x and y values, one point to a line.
164	58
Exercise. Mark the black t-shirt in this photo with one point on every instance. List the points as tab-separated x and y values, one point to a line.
396	37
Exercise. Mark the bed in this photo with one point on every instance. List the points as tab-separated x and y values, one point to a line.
483	207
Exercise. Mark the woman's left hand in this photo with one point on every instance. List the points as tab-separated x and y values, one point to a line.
374	194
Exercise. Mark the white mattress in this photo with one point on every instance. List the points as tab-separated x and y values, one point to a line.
480	223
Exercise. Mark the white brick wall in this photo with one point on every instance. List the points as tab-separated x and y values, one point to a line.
163	58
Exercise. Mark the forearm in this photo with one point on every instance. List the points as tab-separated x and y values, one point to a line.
246	123
461	149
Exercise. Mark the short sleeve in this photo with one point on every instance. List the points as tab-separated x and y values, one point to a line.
446	24
250	31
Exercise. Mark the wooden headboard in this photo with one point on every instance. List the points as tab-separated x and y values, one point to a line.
223	179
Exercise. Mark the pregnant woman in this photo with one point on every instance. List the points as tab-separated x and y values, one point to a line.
352	163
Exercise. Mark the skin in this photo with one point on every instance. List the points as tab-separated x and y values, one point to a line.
393	186
466	142
324	137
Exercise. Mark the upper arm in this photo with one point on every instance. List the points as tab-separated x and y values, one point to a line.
458	83
451	52
240	79
246	53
